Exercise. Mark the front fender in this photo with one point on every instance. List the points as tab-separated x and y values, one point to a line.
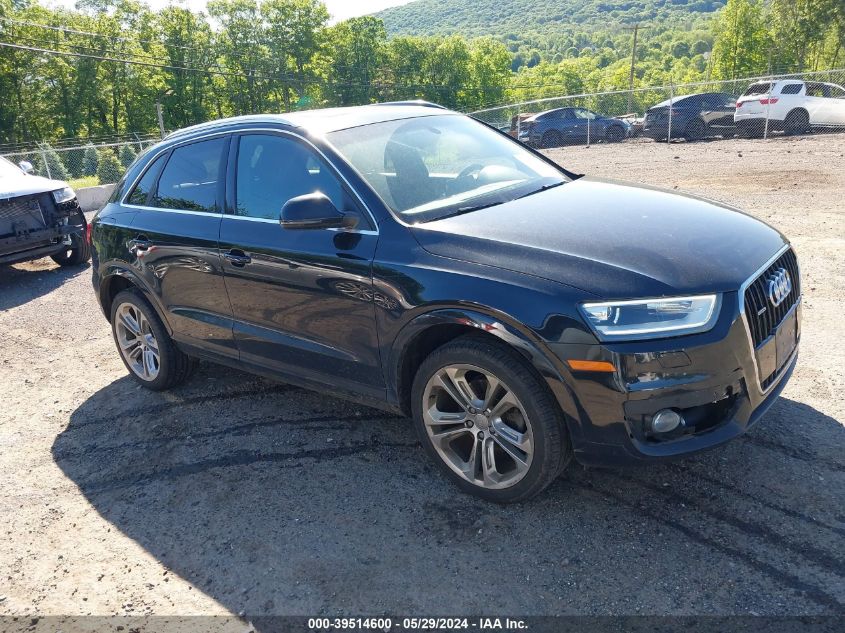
493	323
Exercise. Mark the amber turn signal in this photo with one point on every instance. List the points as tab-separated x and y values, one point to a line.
591	365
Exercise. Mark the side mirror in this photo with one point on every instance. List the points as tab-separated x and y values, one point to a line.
314	211
26	167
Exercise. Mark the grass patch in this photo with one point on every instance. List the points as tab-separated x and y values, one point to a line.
84	181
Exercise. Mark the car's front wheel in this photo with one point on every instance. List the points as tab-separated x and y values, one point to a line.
488	421
76	253
145	347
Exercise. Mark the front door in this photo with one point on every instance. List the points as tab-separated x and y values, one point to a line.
179	200
302	299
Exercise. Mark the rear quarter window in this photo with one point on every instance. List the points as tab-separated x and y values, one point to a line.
141	191
758	89
189	180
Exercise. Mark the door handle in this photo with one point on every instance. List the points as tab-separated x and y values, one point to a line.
237	257
139	245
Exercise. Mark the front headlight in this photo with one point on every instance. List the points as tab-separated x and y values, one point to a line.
64	195
651	318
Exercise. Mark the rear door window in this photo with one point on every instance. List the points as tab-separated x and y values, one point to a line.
817	90
791	89
190	178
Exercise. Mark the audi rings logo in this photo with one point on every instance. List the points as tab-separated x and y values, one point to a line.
780	285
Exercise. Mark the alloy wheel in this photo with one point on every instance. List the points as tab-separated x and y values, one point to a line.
136	340
478	426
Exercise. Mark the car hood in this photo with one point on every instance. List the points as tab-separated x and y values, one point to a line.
611	239
25	184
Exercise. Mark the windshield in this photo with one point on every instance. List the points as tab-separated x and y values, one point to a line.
8	169
428	168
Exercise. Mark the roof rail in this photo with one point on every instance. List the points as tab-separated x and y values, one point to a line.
414	102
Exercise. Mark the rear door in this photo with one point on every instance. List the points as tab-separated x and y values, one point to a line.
179	200
834	106
817	103
302	300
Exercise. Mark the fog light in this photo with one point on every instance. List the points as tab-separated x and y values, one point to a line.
666	420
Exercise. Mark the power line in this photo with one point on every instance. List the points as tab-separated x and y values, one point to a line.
235	54
251	73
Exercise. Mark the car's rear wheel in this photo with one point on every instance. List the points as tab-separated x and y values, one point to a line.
145	347
695	130
552	138
78	252
614	134
797	122
488	421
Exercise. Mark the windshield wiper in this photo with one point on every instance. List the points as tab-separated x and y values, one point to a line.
474	207
542	188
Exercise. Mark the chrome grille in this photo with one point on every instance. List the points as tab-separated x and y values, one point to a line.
762	315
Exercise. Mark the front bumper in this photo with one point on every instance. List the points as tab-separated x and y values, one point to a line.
33	236
710	378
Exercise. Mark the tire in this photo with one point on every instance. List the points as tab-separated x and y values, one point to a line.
695	130
797	122
76	254
614	134
170	366
550	139
522	419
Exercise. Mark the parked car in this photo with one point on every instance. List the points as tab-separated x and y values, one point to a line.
39	217
517	121
791	105
414	259
694	117
554	128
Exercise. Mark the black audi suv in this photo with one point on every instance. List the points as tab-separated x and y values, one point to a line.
417	260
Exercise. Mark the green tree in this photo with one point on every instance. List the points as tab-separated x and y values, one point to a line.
489	66
90	160
356	54
109	169
295	34
48	163
798	31
126	155
742	41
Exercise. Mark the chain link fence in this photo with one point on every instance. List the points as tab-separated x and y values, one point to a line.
85	165
665	113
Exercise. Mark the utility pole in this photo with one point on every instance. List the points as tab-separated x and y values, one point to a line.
636	30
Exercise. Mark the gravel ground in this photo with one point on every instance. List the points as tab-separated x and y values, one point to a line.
233	494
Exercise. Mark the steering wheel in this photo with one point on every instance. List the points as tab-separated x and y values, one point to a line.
467	171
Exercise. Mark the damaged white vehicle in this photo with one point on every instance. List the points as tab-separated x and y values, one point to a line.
39	217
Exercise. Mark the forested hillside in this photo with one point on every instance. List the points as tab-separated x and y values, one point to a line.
545	17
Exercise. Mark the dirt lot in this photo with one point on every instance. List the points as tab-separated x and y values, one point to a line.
236	495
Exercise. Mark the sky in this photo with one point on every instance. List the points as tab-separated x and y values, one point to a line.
339	9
